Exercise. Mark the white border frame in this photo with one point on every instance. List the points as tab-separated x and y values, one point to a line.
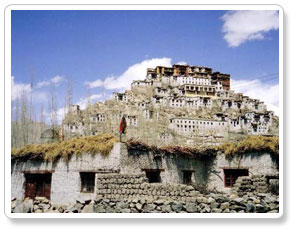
7	78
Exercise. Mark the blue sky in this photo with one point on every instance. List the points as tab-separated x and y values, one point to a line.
88	46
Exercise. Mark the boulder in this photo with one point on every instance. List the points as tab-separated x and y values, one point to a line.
261	208
177	207
25	207
166	208
191	208
215	205
45	207
122	205
201	199
98	208
250	207
88	208
149	208
225	205
139	206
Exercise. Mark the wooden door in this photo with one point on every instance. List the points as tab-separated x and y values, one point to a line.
38	185
30	186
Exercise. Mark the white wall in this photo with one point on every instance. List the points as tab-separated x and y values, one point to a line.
66	184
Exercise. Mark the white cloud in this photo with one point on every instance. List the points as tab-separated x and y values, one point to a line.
40	96
94	84
84	101
134	72
241	26
182	63
60	114
55	80
43	84
18	89
256	89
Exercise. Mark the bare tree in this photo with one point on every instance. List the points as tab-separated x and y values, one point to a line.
31	127
15	124
87	114
24	120
42	118
53	110
68	102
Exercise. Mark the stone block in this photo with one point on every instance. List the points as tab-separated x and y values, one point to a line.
190	207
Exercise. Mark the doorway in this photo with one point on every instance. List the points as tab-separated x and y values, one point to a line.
38	185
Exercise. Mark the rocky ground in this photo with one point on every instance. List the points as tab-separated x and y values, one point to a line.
211	203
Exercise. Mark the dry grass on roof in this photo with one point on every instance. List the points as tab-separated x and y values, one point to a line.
252	144
183	151
101	144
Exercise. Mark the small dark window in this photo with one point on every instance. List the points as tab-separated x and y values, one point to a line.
87	181
231	175
153	176
150	114
187	177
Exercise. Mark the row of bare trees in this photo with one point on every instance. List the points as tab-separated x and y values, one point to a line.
28	123
25	129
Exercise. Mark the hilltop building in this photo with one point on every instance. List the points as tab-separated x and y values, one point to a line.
182	105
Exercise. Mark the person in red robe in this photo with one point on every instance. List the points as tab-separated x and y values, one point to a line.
123	126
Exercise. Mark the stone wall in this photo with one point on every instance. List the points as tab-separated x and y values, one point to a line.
257	184
123	186
121	193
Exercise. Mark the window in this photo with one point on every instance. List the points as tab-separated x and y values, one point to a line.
153	175
37	184
150	114
87	181
187	176
231	175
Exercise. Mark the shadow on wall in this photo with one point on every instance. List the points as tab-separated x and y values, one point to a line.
194	171
253	156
